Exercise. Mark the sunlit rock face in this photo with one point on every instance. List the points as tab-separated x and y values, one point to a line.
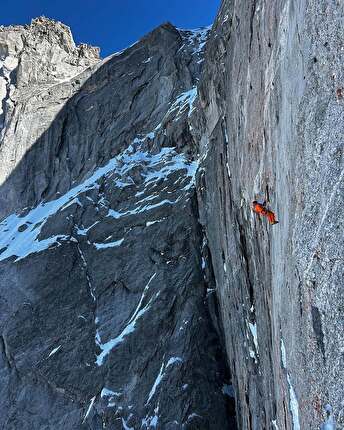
270	126
108	316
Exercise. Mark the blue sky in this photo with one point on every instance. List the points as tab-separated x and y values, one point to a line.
111	24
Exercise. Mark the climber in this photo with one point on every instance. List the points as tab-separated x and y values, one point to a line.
260	208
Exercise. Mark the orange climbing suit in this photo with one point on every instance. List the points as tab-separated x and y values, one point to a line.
261	209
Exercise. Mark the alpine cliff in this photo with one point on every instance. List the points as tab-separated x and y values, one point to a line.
138	290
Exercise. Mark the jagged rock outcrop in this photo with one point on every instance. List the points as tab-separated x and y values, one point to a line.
104	315
270	124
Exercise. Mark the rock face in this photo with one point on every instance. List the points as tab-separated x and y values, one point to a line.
271	126
134	276
107	318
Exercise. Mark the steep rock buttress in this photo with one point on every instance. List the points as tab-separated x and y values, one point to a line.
270	125
104	320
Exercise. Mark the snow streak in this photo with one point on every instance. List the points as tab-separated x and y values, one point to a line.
20	234
129	328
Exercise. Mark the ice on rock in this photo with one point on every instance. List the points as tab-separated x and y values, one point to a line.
19	243
129	328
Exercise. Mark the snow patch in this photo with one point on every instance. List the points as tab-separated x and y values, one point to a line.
89	408
125	425
149	223
84	230
183	101
196	38
151	421
19	235
294	405
173	360
203	266
193	415
253	355
283	355
54	351
228	171
117	215
274	423
108	393
130	327
109	244
161	375
253	329
156	383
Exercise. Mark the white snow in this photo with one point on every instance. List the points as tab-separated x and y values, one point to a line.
54	351
173	360
116	215
253	329
185	100
226	135
161	375
156	383
157	166
21	244
228	171
154	421
274	423
109	244
125	425
129	328
84	230
294	405
89	408
111	344
194	415
196	38
283	355
149	223
149	421
108	393
253	354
